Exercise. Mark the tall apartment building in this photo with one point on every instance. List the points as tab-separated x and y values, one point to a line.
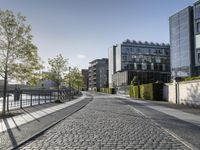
149	62
185	42
98	74
84	73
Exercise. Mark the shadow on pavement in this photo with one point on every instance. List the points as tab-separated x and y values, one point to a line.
10	133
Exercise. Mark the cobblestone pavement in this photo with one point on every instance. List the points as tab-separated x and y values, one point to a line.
106	123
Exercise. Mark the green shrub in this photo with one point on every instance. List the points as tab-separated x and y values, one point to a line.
134	91
151	91
146	91
191	78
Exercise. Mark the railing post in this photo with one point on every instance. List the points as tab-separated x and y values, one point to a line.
45	98
31	100
21	100
8	102
39	99
50	97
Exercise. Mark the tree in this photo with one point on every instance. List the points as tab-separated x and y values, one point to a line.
74	78
18	56
58	67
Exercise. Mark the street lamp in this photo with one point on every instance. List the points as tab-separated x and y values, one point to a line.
70	82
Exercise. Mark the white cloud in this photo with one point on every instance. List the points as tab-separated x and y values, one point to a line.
81	56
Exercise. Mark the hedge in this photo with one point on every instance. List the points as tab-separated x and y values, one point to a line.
151	91
191	78
146	91
134	91
108	90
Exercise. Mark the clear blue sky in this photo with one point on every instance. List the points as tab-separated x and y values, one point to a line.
83	30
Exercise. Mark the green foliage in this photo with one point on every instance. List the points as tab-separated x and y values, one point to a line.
134	91
74	78
58	67
191	78
151	91
18	56
146	91
107	90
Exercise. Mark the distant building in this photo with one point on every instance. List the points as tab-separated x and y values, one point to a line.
149	62
182	43
98	74
85	78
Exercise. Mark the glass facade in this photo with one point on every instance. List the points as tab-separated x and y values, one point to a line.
139	57
181	44
148	61
197	37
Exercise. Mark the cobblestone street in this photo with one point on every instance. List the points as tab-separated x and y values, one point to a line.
106	123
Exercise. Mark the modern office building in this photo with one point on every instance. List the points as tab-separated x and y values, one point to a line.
98	74
197	36
185	42
182	43
149	62
84	73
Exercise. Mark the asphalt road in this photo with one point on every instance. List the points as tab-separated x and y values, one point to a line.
108	122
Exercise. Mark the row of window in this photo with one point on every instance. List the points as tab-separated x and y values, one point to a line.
141	58
146	66
135	50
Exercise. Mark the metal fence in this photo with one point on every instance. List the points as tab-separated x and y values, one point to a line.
18	98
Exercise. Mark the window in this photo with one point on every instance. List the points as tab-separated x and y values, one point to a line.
158	60
124	58
197	11
144	66
198	27
152	66
198	57
139	66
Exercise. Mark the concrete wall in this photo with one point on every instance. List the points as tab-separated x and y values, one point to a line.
188	92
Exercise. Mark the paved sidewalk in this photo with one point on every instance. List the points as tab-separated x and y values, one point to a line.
25	123
193	118
15	121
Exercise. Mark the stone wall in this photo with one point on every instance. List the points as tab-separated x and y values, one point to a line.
188	92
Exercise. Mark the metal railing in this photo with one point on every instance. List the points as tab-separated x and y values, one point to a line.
20	98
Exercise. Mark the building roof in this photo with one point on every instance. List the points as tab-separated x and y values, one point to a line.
97	60
133	42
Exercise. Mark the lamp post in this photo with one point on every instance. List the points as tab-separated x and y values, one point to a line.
70	83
